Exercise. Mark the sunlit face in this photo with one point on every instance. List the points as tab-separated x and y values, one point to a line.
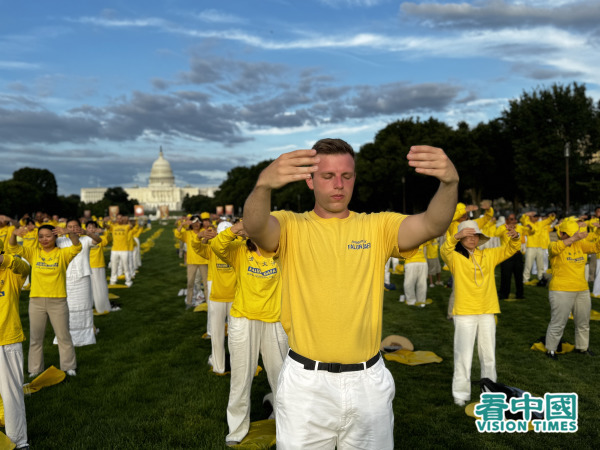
72	226
333	183
46	239
470	242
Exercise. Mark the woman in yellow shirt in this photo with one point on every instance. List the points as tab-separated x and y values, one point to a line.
13	271
568	289
476	301
48	296
254	326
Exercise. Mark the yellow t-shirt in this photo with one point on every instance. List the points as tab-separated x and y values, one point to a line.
220	273
97	252
6	233
13	272
332	282
474	281
432	248
418	257
568	265
192	257
258	291
539	236
120	235
31	238
48	269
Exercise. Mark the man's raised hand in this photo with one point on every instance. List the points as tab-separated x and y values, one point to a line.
432	161
289	167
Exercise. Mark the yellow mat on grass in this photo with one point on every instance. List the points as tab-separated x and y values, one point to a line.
113	296
117	286
202	307
49	377
5	442
470	411
261	435
566	348
413	358
96	313
594	315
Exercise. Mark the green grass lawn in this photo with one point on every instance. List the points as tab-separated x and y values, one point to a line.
146	383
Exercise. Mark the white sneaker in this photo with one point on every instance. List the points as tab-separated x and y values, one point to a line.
33	375
71	372
459	402
128	283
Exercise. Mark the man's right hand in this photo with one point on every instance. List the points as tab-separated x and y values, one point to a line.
289	167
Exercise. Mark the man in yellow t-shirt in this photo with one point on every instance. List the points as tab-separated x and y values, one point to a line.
119	255
569	290
331	262
13	271
537	243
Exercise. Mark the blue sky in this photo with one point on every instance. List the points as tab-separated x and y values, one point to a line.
91	90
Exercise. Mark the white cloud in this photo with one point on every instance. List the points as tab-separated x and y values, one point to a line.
214	16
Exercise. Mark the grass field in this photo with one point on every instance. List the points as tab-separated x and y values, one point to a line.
146	383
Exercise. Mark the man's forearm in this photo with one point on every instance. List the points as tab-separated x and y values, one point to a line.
441	209
257	211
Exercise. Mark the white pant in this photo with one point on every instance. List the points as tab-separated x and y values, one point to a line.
246	339
561	305
100	290
466	329
596	288
208	324
537	255
219	314
415	282
11	391
320	410
119	259
137	254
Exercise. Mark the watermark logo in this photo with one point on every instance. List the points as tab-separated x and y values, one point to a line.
555	413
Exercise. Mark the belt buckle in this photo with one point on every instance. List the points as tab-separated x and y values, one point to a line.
334	368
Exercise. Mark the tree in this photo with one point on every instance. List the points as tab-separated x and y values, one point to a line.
541	124
41	179
384	179
198	203
18	198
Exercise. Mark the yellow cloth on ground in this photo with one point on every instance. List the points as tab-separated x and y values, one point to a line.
113	296
470	411
413	358
261	435
49	377
594	315
202	307
566	348
5	442
117	286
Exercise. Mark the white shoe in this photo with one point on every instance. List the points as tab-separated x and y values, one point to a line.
33	375
71	372
432	285
128	283
459	402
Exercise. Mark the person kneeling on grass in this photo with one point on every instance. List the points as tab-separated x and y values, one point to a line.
13	272
476	301
569	290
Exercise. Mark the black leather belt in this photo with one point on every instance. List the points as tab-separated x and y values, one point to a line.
309	364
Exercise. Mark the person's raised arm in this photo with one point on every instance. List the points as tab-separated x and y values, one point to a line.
293	166
419	228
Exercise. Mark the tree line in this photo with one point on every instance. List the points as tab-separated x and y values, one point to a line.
518	157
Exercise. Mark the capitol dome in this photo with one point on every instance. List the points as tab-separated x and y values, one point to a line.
161	173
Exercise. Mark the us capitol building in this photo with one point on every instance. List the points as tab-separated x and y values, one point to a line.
161	189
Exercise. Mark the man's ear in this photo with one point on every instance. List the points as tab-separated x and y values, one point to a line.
309	182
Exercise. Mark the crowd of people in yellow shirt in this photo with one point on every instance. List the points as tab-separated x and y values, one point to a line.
61	262
557	251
